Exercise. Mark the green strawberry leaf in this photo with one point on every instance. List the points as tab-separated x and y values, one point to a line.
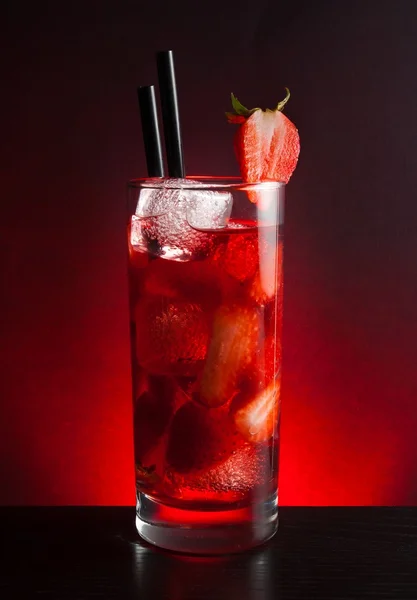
241	113
240	109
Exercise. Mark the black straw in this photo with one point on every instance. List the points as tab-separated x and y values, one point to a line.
170	114
150	131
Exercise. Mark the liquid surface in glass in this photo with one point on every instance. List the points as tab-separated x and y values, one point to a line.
206	362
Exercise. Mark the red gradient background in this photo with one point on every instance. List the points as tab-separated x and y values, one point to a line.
71	139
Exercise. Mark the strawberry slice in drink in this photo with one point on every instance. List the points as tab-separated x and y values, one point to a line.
267	143
257	417
241	256
233	343
171	336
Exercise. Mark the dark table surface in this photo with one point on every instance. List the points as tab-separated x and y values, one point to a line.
337	553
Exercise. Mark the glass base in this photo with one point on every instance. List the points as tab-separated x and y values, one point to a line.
206	532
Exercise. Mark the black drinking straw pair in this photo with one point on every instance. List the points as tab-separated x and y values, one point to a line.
170	117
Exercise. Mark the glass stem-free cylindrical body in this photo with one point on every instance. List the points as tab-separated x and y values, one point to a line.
206	284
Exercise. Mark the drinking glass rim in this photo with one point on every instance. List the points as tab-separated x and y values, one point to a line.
204	182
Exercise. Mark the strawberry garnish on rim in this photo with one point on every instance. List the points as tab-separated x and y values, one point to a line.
267	143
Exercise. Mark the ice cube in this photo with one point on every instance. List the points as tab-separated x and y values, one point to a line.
138	234
171	336
247	468
177	222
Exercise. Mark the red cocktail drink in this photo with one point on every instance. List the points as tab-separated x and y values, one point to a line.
206	290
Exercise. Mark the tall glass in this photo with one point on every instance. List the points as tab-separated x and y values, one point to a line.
206	285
